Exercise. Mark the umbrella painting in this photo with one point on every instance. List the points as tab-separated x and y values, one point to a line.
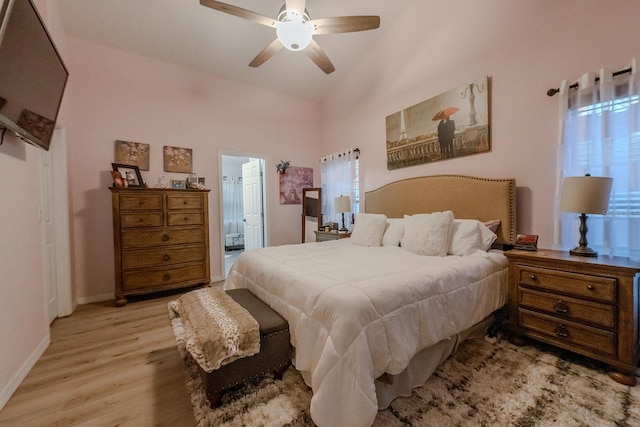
452	124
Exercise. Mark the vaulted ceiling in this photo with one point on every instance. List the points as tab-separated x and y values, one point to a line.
186	33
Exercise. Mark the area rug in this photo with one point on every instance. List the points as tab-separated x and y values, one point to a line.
483	384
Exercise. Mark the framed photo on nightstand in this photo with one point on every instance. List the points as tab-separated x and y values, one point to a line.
527	242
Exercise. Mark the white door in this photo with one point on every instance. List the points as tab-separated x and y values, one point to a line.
252	204
49	237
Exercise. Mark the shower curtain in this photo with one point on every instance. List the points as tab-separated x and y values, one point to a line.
232	211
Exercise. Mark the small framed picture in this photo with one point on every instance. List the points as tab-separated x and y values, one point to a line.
178	183
130	173
201	180
527	242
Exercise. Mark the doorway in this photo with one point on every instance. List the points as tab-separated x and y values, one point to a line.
242	205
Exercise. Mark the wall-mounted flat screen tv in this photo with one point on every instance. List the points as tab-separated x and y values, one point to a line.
32	74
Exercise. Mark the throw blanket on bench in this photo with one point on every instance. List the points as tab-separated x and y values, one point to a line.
217	329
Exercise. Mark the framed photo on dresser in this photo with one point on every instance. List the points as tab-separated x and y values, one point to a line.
129	172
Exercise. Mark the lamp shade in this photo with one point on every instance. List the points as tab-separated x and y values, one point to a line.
585	194
343	204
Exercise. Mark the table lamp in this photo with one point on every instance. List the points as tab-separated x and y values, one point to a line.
343	204
586	195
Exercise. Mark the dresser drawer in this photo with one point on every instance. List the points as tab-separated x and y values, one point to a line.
569	333
162	256
141	202
146	238
185	218
569	308
141	279
150	219
575	284
184	201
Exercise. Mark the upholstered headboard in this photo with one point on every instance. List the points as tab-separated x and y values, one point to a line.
484	199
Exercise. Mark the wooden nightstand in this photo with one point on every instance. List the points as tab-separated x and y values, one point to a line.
585	305
323	236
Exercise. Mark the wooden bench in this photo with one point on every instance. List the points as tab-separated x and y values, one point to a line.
274	356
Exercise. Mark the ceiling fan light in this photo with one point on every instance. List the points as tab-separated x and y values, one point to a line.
293	32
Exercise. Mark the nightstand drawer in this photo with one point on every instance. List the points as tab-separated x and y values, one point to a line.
568	333
569	308
579	285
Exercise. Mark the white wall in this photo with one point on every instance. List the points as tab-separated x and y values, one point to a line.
525	47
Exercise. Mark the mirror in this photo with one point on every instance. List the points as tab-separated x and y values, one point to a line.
311	213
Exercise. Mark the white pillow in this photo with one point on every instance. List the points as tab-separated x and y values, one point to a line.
469	236
393	232
368	229
427	234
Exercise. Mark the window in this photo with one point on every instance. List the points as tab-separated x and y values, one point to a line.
340	176
602	137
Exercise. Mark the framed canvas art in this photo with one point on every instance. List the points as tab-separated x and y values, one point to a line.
452	124
133	153
292	181
178	159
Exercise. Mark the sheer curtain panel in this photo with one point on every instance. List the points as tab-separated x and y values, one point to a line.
339	175
232	205
600	136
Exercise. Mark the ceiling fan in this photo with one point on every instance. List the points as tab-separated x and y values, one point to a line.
295	29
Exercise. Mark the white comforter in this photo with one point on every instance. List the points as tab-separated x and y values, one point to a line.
355	313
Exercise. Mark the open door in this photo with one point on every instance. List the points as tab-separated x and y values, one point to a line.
252	198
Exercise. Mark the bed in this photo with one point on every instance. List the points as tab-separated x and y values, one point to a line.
369	323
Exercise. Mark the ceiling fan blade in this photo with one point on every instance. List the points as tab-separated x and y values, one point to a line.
273	48
298	5
320	58
240	12
345	24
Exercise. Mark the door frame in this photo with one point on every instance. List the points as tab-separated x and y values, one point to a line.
265	199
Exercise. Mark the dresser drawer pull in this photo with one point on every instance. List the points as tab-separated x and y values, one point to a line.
561	307
533	277
165	238
561	330
166	277
166	257
591	287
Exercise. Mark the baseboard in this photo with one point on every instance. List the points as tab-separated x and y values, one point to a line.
96	298
13	384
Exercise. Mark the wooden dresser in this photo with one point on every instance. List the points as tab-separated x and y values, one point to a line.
161	240
586	305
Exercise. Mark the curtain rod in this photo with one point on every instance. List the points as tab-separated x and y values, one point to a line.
553	91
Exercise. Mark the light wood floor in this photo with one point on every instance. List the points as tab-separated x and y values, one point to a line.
106	366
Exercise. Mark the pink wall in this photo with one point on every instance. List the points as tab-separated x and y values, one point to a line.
525	47
116	95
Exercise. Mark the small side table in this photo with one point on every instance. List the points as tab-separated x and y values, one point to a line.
585	305
323	236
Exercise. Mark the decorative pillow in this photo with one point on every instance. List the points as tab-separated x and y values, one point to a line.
368	229
469	236
393	232
427	234
493	225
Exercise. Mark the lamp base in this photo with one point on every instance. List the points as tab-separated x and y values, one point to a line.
583	251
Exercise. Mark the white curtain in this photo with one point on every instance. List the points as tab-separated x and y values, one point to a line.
339	176
600	131
232	205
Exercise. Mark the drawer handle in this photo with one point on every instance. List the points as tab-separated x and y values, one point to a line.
185	202
561	307
166	277
533	277
165	238
141	220
561	330
166	257
186	219
591	287
141	202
